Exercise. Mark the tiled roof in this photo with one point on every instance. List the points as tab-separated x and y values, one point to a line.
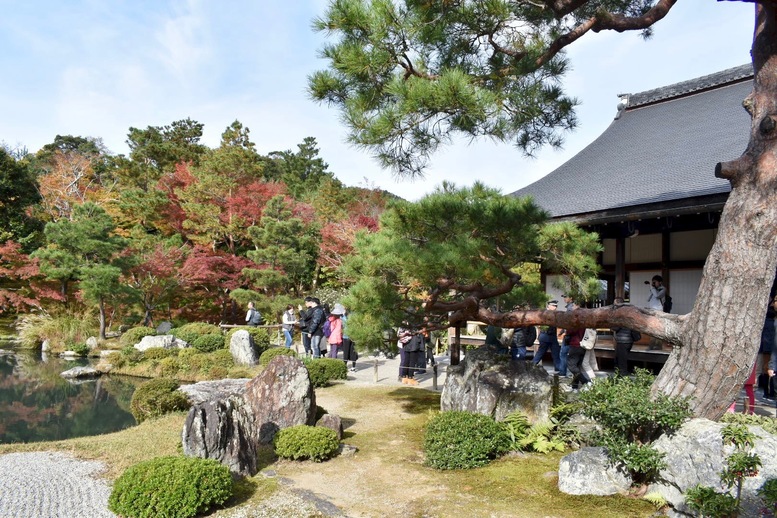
662	148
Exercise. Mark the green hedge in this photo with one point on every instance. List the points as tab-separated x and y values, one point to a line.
272	352
300	442
157	397
208	343
462	440
191	331
170	487
323	370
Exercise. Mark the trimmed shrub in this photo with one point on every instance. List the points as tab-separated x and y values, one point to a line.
158	353
135	335
131	355
260	335
271	353
631	419
208	343
463	440
222	358
173	487
157	397
190	332
323	370
306	442
217	373
116	359
169	367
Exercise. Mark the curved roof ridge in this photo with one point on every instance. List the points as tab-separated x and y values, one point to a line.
723	77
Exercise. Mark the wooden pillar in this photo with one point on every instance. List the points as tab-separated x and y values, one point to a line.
620	267
665	259
456	346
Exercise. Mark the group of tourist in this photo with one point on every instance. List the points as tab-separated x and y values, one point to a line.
569	356
315	322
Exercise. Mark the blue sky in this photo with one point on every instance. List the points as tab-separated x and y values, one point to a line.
96	68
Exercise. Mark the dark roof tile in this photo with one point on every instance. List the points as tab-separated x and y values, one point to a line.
654	152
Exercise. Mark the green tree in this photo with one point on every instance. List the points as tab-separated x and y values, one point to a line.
409	75
285	250
18	192
157	149
422	257
84	249
303	171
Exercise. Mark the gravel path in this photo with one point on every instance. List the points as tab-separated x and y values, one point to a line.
51	485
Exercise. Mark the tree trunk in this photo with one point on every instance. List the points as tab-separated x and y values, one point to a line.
722	334
102	319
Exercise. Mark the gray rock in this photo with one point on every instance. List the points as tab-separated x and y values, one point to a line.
164	328
241	345
695	454
486	383
45	346
81	372
222	430
91	342
231	427
164	341
346	450
203	391
280	397
588	472
333	422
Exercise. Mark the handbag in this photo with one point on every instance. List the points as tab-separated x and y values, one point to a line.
589	339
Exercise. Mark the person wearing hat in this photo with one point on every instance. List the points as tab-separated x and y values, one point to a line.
549	340
335	337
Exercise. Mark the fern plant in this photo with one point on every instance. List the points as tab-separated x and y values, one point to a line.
540	437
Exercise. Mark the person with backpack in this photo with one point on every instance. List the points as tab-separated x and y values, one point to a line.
253	317
315	324
523	337
333	329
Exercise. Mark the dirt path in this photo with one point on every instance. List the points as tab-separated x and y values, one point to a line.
386	476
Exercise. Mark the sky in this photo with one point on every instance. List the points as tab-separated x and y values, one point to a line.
95	68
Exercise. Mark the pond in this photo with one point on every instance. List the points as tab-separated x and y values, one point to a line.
37	404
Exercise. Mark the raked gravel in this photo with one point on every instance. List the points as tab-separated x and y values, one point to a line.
52	485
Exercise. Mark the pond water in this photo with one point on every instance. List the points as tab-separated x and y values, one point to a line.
37	404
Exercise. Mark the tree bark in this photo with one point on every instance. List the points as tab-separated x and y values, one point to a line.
722	332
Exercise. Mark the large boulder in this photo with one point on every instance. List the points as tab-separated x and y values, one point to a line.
203	391
241	345
164	341
695	454
222	430
588	471
487	383
280	397
230	420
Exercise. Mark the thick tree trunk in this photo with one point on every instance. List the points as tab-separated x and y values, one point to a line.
722	334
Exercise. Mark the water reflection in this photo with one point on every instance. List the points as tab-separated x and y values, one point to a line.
37	404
